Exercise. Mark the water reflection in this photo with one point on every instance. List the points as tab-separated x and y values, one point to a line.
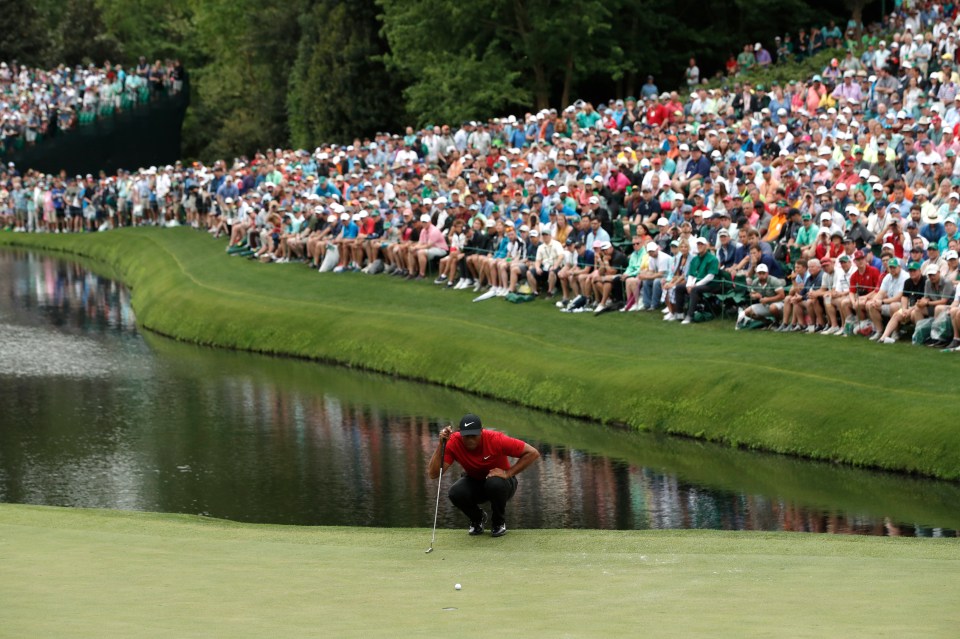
174	428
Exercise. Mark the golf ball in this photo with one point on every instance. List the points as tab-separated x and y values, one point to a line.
457	586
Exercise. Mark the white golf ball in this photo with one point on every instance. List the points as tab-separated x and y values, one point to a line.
457	586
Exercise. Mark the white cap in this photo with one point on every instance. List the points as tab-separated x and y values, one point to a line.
425	217
594	200
331	218
702	240
762	268
563	189
841	186
864	173
931	269
825	216
663	222
822	190
652	246
533	233
551	183
950	255
684	147
344	216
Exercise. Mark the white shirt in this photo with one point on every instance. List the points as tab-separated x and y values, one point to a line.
841	279
891	286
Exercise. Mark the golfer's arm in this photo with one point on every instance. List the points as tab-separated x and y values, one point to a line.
433	469
530	455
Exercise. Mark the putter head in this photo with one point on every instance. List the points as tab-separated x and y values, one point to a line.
430	549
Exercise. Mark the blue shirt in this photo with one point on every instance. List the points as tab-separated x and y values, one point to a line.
351	230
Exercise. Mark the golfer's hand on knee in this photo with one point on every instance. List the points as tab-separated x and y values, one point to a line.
497	472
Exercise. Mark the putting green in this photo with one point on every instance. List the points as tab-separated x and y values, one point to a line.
86	573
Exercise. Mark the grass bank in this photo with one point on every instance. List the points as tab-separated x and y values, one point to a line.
71	572
834	399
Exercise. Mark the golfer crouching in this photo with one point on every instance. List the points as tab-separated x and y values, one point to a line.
487	476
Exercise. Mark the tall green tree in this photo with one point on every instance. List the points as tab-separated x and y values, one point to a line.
22	32
477	58
339	85
249	47
81	36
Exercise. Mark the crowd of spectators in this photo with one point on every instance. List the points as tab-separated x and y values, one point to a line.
826	205
36	103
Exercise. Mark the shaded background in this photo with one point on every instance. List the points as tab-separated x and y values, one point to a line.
270	73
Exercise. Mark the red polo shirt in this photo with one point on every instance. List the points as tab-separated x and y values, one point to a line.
492	453
866	282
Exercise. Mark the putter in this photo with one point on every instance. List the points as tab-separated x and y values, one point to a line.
436	510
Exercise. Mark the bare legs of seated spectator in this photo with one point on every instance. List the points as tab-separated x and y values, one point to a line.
902	317
877	311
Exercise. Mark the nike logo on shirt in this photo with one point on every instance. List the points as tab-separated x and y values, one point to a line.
487	457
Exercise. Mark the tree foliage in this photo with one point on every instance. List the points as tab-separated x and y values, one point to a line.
273	72
339	86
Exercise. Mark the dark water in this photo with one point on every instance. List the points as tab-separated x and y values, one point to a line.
95	414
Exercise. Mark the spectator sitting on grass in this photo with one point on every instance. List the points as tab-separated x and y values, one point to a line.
608	289
701	276
864	282
767	295
547	262
885	301
910	312
817	295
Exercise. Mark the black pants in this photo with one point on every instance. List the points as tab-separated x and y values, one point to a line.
468	493
695	295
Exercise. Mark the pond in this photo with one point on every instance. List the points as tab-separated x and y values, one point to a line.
95	413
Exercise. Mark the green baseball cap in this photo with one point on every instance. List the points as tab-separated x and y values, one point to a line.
913	266
894	262
806	216
844	258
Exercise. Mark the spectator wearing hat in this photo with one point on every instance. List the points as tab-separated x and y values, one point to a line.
767	295
886	300
794	318
806	238
651	277
676	277
951	233
864	282
923	294
547	262
607	278
836	303
701	279
577	261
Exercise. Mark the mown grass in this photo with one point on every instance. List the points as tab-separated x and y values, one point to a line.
85	573
834	399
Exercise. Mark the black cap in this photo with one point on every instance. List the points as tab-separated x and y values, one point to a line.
470	425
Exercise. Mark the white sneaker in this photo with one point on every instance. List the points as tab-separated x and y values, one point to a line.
504	291
476	287
740	315
668	317
686	320
338	269
887	340
665	311
638	307
875	336
811	328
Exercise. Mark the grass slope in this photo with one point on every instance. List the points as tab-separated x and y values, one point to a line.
836	399
86	573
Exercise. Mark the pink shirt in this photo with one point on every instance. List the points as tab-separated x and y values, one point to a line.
431	236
